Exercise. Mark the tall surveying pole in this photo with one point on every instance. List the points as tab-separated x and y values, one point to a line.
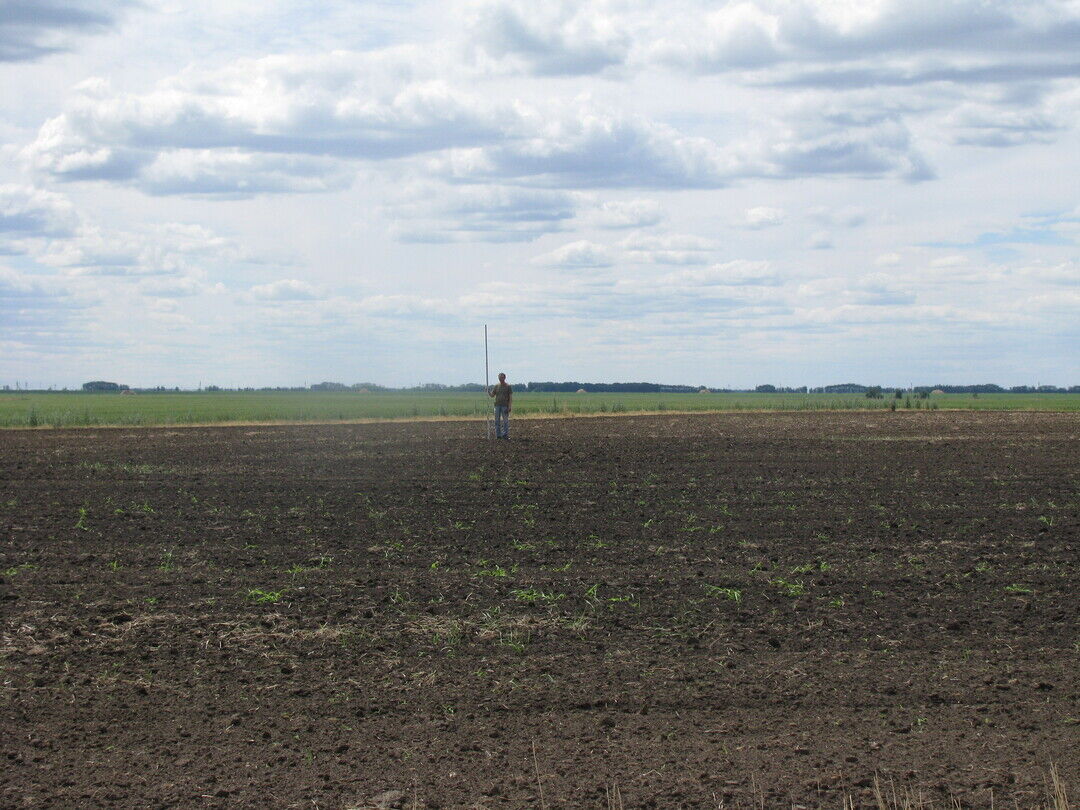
487	384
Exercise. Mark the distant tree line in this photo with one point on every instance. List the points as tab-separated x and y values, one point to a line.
870	391
612	388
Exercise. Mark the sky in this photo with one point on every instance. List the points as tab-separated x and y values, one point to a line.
793	192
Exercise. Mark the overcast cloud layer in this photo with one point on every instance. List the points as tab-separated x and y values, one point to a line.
798	192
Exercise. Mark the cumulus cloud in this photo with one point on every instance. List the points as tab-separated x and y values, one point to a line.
236	174
197	131
165	249
764	217
982	125
619	214
885	148
480	214
588	148
844	217
667	248
729	274
31	29
763	33
557	37
868	290
580	254
286	289
30	212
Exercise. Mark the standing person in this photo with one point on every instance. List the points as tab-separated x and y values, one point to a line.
504	396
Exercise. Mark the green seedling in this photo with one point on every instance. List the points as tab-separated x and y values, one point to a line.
734	594
261	597
81	523
792	589
494	570
810	567
166	563
16	569
533	595
1017	588
516	640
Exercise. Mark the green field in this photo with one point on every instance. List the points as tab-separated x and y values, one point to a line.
72	409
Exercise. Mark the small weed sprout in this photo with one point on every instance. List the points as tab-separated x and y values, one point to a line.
1018	588
534	596
259	596
166	563
733	594
792	589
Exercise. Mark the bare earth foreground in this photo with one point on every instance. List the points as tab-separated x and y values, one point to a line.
724	610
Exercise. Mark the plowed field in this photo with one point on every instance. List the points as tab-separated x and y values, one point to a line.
727	610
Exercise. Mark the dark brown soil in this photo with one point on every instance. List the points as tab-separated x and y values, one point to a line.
407	616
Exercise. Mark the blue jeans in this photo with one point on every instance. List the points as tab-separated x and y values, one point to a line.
502	422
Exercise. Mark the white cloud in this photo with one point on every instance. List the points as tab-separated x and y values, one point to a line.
844	217
667	248
195	132
32	29
551	38
949	261
618	214
580	254
764	217
766	33
480	213
168	249
286	289
31	212
728	274
584	147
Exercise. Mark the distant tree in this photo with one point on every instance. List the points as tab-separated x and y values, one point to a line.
213	388
329	386
845	388
765	389
874	392
100	385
